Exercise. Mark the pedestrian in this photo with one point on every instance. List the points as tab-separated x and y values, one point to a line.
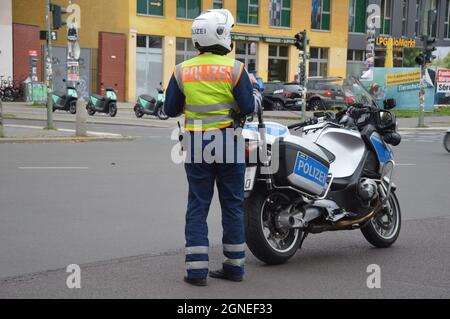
207	88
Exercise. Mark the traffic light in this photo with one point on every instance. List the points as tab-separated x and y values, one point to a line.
301	40
429	48
420	59
57	13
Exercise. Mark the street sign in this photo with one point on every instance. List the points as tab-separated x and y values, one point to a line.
443	81
32	53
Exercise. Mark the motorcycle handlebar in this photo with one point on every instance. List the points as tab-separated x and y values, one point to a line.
307	122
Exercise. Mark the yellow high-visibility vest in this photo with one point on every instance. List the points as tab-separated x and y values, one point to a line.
207	82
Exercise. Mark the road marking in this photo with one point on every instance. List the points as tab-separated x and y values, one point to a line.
406	164
54	168
63	130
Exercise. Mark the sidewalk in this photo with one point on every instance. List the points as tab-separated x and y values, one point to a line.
30	134
126	116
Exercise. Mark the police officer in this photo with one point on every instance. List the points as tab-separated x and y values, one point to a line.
206	88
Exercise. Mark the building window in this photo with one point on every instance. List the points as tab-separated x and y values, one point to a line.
148	42
247	11
188	9
355	62
185	50
280	13
357	16
447	20
150	7
318	64
247	53
217	4
386	14
278	63
418	20
434	27
321	14
405	7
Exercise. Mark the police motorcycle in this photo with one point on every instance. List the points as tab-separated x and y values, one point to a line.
103	104
337	175
147	104
66	101
447	141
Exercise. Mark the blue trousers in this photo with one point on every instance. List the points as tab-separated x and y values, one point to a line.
230	184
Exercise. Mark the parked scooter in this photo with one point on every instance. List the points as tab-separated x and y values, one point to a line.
66	101
147	104
447	141
103	104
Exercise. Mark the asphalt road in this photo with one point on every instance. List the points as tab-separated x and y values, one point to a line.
120	199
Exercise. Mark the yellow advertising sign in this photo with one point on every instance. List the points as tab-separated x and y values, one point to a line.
396	42
402	78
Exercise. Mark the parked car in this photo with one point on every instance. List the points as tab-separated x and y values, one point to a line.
327	93
282	96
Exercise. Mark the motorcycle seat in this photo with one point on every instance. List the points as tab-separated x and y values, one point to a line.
98	97
148	98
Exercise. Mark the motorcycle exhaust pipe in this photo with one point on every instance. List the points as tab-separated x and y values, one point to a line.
362	220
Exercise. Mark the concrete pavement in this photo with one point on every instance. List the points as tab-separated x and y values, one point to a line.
129	200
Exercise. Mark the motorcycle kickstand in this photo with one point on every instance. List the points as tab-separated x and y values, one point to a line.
305	234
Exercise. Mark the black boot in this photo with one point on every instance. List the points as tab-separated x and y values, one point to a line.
200	282
221	274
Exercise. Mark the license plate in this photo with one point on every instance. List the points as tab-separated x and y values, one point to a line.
250	174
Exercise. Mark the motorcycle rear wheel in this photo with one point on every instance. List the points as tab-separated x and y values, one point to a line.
384	228
90	109
73	107
262	235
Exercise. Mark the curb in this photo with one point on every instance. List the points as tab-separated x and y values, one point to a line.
77	139
93	122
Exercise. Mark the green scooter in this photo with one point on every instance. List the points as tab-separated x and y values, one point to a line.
66	101
147	104
103	104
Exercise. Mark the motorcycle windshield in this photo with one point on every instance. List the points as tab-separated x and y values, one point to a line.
358	92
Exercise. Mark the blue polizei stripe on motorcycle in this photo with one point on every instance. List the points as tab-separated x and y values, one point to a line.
271	129
311	169
384	153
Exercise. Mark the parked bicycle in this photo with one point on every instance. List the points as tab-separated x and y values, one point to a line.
10	90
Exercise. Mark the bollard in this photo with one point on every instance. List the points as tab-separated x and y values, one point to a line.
81	118
1	120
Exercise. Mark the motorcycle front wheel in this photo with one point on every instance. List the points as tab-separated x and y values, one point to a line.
270	245
113	110
383	229
447	142
161	115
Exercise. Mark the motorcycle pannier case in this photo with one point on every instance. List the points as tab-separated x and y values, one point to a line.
303	165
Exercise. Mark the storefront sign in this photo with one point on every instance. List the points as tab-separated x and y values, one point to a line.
396	42
245	37
400	78
443	81
268	39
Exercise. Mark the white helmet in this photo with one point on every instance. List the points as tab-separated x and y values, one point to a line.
211	31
